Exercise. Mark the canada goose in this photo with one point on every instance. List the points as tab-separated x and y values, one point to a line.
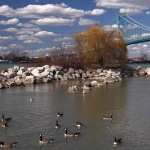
57	125
59	114
7	145
108	117
117	141
43	140
75	134
4	119
3	124
79	124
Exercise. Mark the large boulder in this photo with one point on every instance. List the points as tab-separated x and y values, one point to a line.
28	80
35	72
1	86
94	83
45	73
10	82
141	72
18	80
20	72
11	73
147	71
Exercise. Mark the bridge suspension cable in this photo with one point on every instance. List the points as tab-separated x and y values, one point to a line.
133	31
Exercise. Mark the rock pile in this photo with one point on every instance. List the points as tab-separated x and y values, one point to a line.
142	71
21	76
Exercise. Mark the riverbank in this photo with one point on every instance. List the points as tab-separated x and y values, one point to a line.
23	76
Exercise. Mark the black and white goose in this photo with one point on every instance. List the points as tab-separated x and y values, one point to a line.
117	141
108	117
59	114
7	145
79	124
67	134
44	140
57	125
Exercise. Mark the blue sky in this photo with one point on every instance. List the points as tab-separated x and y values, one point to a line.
42	25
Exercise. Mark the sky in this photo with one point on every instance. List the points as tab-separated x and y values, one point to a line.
40	26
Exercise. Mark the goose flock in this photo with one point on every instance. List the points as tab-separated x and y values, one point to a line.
43	140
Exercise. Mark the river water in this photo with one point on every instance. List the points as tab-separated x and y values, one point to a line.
129	102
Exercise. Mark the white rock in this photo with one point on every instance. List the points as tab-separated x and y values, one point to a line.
35	72
30	69
1	86
147	70
18	80
52	68
29	80
20	72
46	67
94	83
45	73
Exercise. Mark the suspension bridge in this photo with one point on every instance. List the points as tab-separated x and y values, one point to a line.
133	31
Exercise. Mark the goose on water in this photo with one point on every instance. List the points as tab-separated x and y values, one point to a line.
7	145
79	124
59	114
67	134
117	141
57	125
108	117
44	140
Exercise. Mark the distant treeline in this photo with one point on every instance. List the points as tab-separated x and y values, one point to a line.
16	56
93	47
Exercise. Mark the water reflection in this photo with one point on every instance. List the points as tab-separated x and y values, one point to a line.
128	101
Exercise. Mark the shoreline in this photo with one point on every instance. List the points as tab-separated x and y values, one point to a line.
23	76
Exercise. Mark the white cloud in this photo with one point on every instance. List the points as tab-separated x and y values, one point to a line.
50	9
147	12
26	25
86	22
14	46
12	30
97	12
32	40
53	21
6	11
123	4
3	48
37	11
45	33
28	31
23	37
62	39
127	5
12	21
111	27
2	38
130	11
29	39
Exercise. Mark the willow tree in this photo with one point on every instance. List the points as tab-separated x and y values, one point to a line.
97	46
91	44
